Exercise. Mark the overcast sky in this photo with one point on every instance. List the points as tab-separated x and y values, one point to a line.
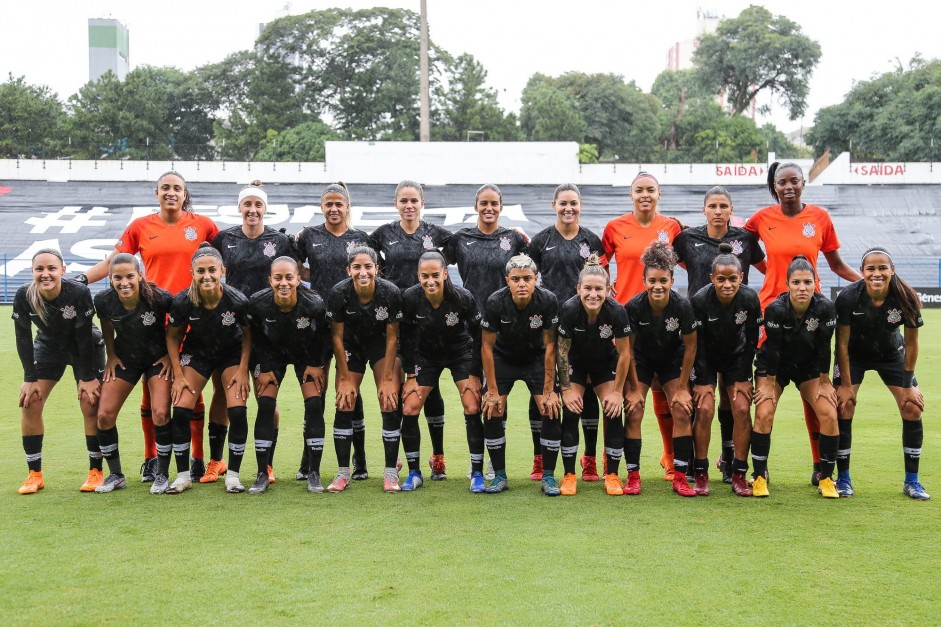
47	41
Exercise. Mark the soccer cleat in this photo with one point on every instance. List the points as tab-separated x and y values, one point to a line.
413	481
589	469
569	484
198	469
339	483
701	483
398	464
845	487
390	482
489	473
498	484
313	483
160	484
681	486
477	485
632	487
94	479
912	489
271	477
759	487
740	485
359	473
33	483
613	485
148	470
301	474
111	483
536	474
827	488
666	462
436	463
815	476
260	486
726	469
550	487
179	485
216	467
232	484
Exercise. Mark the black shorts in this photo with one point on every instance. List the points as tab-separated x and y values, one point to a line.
461	367
205	366
738	370
132	373
793	374
665	371
280	369
49	363
891	372
357	356
532	374
593	374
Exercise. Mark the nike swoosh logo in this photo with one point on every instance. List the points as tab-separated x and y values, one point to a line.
643	323
34	315
192	318
859	313
421	317
231	245
315	245
771	228
550	247
699	244
266	320
469	243
627	237
350	312
787	327
153	237
712	319
577	329
506	321
395	242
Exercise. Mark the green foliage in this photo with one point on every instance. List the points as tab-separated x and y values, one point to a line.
587	153
29	118
304	142
548	113
892	117
467	104
757	52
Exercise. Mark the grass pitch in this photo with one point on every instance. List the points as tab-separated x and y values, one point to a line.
442	555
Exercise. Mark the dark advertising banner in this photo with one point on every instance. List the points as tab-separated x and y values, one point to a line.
930	297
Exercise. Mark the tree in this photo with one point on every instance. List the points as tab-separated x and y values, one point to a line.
757	52
304	142
467	104
29	119
548	113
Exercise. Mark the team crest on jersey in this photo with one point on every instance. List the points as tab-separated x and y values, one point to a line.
185	359
347	354
535	321
16	316
68	312
228	319
351	245
812	324
504	243
692	375
836	371
269	250
663	236
148	318
303	322
257	371
604	331
382	313
895	316
672	324
451	318
190	233
426	242
583	251
737	247
417	369
809	229
741	317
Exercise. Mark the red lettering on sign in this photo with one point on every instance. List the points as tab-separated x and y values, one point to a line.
740	170
880	169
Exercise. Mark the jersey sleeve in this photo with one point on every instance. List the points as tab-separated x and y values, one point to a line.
212	229
844	306
774	332
24	335
550	319
85	310
100	302
687	317
521	243
607	241
261	347
336	305
395	304
595	246
534	249
490	321
752	223
440	236
757	253
753	326
566	321
299	244
129	242
679	247
179	310
622	325
829	241
825	335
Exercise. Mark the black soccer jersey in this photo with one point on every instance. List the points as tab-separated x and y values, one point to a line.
364	324
300	336
68	328
593	342
400	251
140	334
326	255
481	259
248	260
798	344
437	334
519	332
726	334
874	331
560	260
213	333
659	337
697	250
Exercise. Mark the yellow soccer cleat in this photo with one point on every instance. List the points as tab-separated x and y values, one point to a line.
760	487
828	489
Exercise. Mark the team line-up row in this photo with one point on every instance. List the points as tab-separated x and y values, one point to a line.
587	351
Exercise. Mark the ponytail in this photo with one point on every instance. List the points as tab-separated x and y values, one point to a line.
37	303
903	292
593	267
800	263
145	287
450	292
772	172
726	258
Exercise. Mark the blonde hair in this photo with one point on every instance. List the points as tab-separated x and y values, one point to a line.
34	299
205	250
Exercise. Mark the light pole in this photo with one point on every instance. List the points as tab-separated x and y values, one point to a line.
424	128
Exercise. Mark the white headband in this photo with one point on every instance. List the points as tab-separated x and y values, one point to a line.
253	191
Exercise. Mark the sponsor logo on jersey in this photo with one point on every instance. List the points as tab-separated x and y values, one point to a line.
605	331
382	313
190	233
426	242
741	317
16	316
672	324
663	236
68	312
148	318
773	325
583	251
535	321
895	316
228	319
737	247
504	243
809	229
185	359
451	318
269	250
303	322
812	324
